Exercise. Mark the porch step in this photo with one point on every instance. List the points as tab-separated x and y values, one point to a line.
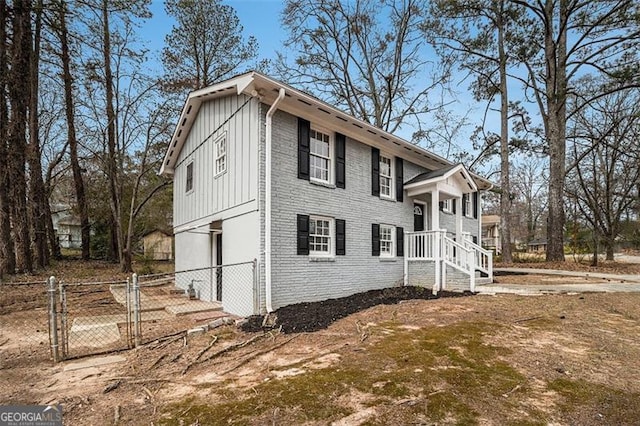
194	307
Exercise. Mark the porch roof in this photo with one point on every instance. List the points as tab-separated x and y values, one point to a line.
454	180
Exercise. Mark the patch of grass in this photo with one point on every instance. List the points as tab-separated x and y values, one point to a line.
591	401
448	371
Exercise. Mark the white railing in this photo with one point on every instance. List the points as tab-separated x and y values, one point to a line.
423	245
436	246
484	257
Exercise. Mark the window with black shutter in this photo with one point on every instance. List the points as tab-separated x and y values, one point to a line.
375	172
399	241
476	205
375	239
304	128
341	143
303	234
340	237
399	179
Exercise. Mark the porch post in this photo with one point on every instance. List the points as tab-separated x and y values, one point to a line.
458	202
435	210
406	261
435	226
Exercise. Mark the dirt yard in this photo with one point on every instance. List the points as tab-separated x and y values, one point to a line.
374	359
561	359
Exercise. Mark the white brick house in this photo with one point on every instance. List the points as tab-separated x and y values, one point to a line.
327	204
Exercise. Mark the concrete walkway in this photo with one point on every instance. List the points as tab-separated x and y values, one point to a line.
616	283
612	277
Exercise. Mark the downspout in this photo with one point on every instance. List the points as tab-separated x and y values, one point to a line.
267	213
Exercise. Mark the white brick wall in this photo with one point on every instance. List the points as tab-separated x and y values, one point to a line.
298	278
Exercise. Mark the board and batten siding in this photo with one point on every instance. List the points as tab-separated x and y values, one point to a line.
216	197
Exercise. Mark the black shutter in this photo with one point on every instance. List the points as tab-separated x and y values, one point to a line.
303	234
340	237
304	128
340	160
476	205
399	241
441	204
375	171
474	239
399	179
464	204
375	239
454	201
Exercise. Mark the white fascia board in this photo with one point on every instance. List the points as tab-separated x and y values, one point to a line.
190	111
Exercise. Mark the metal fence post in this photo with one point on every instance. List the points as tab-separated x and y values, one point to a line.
64	344
136	310
127	293
256	289
53	320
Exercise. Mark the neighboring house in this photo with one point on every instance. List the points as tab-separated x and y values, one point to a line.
158	245
538	245
327	204
491	233
67	227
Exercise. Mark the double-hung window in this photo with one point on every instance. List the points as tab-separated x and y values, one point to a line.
447	206
386	177
320	156
189	180
221	155
468	209
386	240
320	232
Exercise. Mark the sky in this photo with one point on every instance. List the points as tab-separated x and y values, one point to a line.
261	19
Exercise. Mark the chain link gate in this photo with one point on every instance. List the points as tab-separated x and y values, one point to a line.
105	317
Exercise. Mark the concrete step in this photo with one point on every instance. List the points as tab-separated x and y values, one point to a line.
194	307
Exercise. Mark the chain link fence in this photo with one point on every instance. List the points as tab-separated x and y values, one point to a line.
24	336
58	320
172	302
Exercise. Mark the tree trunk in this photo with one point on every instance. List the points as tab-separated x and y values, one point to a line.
71	133
112	162
596	248
36	184
556	92
505	182
7	253
19	99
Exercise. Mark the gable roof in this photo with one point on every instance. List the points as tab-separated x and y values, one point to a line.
303	105
458	171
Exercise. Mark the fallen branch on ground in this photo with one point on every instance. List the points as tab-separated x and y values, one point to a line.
256	354
527	319
209	346
157	361
229	348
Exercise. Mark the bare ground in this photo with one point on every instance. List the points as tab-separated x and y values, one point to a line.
556	359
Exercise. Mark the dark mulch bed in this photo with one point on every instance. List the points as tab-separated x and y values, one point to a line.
314	316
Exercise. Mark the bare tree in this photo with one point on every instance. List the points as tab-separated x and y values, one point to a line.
61	28
606	163
566	39
205	45
7	253
476	33
374	68
529	188
19	93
